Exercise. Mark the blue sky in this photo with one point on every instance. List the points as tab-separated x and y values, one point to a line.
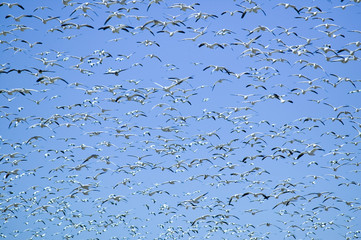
152	133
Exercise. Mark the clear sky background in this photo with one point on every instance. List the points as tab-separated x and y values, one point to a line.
168	120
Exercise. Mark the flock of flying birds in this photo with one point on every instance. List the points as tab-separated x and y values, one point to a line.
134	119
